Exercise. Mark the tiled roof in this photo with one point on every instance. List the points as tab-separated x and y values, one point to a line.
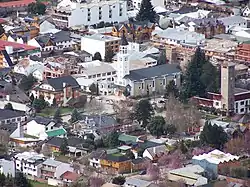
116	157
15	45
70	176
16	3
42	120
57	83
7	114
57	132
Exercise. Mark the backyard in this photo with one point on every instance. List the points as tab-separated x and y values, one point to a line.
47	112
38	184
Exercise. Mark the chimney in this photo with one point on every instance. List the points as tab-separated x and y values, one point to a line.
8	97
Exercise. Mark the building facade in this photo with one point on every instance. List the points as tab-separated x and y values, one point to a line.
67	13
243	52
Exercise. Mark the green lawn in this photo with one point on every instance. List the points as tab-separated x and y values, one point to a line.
51	111
38	184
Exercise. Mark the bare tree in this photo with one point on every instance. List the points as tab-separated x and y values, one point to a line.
198	151
173	160
235	146
96	182
153	171
94	106
4	137
181	116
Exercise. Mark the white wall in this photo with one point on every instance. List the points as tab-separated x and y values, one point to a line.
93	46
34	43
61	169
35	129
7	167
45	26
147	154
137	3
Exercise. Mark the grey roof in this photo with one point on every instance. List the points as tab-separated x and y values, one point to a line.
42	120
185	9
57	83
53	163
100	121
7	114
155	71
137	182
72	141
10	128
232	20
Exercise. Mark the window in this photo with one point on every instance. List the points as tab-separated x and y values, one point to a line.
13	120
142	85
216	103
103	74
236	106
109	73
153	84
242	103
242	110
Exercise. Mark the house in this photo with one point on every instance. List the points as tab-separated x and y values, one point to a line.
100	124
215	161
29	163
69	177
232	21
246	11
52	41
153	153
139	164
243	52
44	128
68	12
7	167
52	169
134	182
136	31
15	96
60	90
20	5
11	52
238	101
103	44
115	163
179	37
191	175
76	146
95	157
28	31
11	116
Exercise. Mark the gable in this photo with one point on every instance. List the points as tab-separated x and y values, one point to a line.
46	87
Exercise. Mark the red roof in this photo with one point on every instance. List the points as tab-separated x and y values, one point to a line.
16	3
2	21
70	176
15	45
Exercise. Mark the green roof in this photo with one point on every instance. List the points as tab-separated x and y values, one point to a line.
57	132
127	138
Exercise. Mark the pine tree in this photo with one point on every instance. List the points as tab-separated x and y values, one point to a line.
162	58
156	126
8	106
97	56
64	146
57	115
75	116
146	12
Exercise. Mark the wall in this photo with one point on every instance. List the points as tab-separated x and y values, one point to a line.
87	45
54	182
7	167
147	154
35	129
62	168
206	165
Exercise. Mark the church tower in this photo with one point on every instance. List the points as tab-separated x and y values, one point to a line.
122	62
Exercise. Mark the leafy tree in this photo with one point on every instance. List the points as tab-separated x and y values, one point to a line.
21	181
93	89
143	112
8	106
111	140
109	55
130	154
54	102
162	59
32	98
57	115
213	135
126	93
37	8
119	180
156	126
171	89
64	146
27	82
146	12
97	56
75	116
39	104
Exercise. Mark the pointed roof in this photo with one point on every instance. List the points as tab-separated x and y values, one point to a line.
123	40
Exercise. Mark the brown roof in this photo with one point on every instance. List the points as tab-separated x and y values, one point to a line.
70	176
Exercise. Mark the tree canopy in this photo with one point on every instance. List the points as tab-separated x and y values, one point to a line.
171	89
37	8
75	116
57	115
213	136
146	12
162	58
111	140
93	88
109	55
97	56
200	76
27	82
119	180
143	112
156	126
39	104
64	146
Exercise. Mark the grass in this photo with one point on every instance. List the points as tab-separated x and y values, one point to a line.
62	158
51	111
39	184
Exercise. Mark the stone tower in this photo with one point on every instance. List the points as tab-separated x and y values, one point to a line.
227	86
